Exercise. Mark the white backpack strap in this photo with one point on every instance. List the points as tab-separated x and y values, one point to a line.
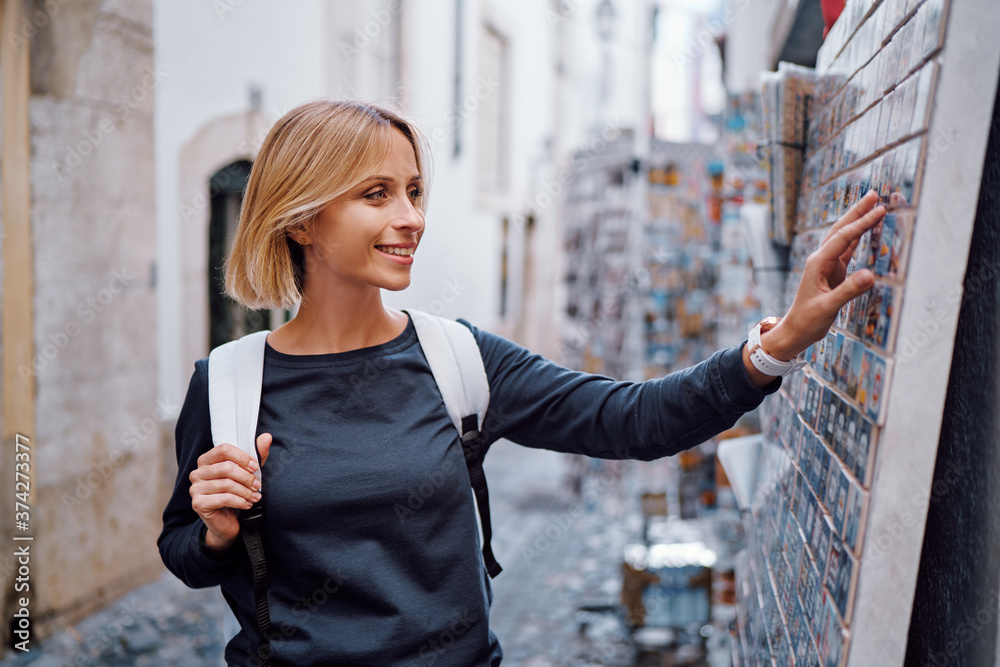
235	375
457	365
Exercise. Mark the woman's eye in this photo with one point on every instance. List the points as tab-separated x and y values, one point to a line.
376	194
416	193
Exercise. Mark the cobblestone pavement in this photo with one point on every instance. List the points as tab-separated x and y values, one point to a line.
559	549
158	625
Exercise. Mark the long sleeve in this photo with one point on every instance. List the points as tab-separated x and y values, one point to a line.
181	542
536	403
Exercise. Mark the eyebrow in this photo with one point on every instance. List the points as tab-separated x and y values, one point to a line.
390	179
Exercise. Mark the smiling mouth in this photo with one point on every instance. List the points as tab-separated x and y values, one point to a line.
398	252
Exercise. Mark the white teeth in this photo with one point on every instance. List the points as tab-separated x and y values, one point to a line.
402	252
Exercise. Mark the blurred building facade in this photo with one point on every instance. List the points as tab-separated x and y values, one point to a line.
79	307
757	34
128	131
504	92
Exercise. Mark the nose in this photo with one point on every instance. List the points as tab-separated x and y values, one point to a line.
409	217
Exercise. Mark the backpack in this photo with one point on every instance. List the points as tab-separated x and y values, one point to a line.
235	375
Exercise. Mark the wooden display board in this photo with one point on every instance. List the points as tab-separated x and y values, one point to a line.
903	103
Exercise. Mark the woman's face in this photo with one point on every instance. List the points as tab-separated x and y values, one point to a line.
368	235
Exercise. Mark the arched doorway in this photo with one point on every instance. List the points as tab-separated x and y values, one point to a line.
227	319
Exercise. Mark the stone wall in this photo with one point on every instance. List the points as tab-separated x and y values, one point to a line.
99	445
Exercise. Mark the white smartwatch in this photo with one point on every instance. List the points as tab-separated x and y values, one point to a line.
763	361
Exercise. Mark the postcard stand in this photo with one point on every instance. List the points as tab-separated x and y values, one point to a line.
903	101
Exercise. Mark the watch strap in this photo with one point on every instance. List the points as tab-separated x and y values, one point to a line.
764	362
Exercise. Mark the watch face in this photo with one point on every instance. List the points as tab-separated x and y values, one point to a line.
767	324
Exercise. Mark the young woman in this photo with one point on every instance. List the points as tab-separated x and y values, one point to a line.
351	420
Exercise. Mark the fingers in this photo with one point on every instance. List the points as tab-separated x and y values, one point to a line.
224	478
225	470
216	493
854	286
845	236
228	453
263	446
860	208
210	502
203	503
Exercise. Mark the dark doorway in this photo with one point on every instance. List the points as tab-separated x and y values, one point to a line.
227	319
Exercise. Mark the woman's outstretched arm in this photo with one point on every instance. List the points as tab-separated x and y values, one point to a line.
537	403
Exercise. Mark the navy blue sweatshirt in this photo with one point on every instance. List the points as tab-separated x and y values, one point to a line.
370	530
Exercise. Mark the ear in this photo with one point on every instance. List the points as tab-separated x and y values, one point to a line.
299	235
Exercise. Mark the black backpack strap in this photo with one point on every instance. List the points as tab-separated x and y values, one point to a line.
474	450
250	521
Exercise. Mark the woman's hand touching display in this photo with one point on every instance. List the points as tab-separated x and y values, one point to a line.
223	482
823	290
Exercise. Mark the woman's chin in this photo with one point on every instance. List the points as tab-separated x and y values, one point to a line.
396	285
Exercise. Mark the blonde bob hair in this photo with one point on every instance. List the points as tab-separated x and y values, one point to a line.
314	154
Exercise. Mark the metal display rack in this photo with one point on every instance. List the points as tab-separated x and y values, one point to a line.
642	261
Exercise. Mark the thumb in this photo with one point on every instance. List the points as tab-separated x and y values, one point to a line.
263	447
858	283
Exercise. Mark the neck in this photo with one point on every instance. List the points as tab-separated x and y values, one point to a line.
328	323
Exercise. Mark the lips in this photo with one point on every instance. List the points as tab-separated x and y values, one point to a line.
400	254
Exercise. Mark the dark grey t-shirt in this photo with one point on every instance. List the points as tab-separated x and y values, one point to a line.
370	526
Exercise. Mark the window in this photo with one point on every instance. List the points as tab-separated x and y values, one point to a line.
370	45
386	66
488	97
